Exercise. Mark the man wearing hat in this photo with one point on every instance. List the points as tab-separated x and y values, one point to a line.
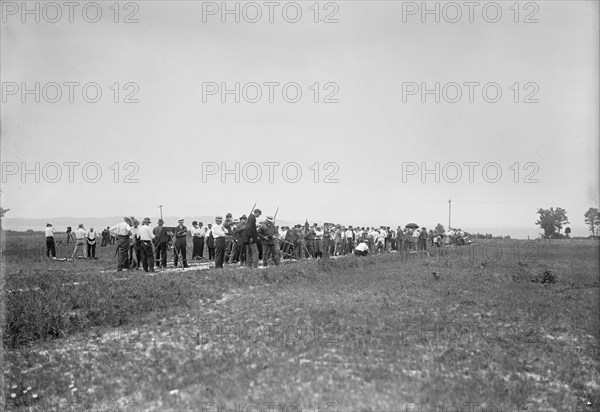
50	245
122	231
146	237
161	240
240	227
180	244
251	240
218	233
196	236
234	256
134	245
326	240
228	227
267	233
309	238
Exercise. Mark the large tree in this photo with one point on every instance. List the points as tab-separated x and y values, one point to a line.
440	228
592	218
551	221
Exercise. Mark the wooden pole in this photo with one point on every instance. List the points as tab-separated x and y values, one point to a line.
449	214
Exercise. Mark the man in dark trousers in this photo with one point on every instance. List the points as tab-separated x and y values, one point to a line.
122	231
105	237
50	245
196	236
161	239
146	237
268	235
180	244
228	227
234	256
250	240
219	235
241	228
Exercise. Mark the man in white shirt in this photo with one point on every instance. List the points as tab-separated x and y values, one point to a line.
195	240
349	240
210	242
80	234
50	245
218	232
201	237
122	231
91	243
362	249
146	238
380	240
134	245
318	242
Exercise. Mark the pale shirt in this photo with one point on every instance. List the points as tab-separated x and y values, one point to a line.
146	233
218	231
91	234
201	231
362	247
49	231
80	233
135	231
120	229
348	234
195	232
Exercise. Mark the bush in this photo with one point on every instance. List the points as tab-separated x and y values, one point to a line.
545	277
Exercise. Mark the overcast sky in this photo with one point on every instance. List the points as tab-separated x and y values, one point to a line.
370	135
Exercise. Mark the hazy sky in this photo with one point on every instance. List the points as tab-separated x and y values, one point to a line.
369	136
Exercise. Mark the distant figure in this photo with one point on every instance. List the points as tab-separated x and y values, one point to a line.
270	242
250	240
423	239
146	237
234	256
91	243
80	234
105	236
228	228
201	235
210	242
69	235
180	244
50	245
196	236
122	230
161	240
219	235
134	245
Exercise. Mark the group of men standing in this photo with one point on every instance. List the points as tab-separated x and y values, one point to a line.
244	241
84	240
228	241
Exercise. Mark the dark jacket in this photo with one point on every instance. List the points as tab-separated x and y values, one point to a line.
161	235
266	232
250	229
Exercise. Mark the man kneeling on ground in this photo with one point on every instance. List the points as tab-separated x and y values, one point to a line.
362	249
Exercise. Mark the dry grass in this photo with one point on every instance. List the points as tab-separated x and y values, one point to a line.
379	333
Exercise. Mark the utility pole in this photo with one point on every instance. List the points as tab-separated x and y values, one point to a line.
449	214
160	207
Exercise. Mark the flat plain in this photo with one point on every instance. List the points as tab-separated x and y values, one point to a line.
503	325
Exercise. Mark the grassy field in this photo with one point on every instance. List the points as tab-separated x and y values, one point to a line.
501	326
